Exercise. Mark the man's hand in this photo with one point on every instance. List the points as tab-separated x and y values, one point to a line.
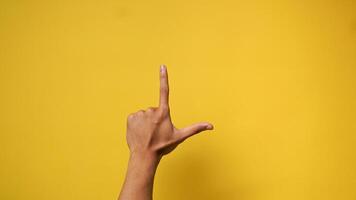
152	131
150	135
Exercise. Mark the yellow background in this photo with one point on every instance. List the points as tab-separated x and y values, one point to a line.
276	78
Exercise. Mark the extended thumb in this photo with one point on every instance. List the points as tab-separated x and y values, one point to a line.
194	129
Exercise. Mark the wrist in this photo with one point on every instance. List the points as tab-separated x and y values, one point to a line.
145	157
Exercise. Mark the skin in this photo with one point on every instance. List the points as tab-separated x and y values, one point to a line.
151	135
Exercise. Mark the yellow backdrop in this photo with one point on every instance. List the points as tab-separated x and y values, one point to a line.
276	78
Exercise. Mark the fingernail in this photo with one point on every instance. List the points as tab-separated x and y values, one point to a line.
162	68
209	127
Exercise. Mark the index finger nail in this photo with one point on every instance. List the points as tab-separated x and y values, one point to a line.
163	68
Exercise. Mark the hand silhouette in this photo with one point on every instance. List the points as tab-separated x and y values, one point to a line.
153	132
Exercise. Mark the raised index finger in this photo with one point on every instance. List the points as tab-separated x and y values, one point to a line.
164	88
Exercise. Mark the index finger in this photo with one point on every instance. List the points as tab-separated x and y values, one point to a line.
164	88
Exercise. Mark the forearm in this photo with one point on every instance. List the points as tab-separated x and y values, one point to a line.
139	179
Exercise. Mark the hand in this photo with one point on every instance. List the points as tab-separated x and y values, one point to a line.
152	132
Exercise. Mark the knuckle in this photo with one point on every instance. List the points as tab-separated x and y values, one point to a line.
140	112
130	116
163	112
164	89
150	109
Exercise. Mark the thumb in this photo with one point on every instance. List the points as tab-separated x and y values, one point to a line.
193	129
